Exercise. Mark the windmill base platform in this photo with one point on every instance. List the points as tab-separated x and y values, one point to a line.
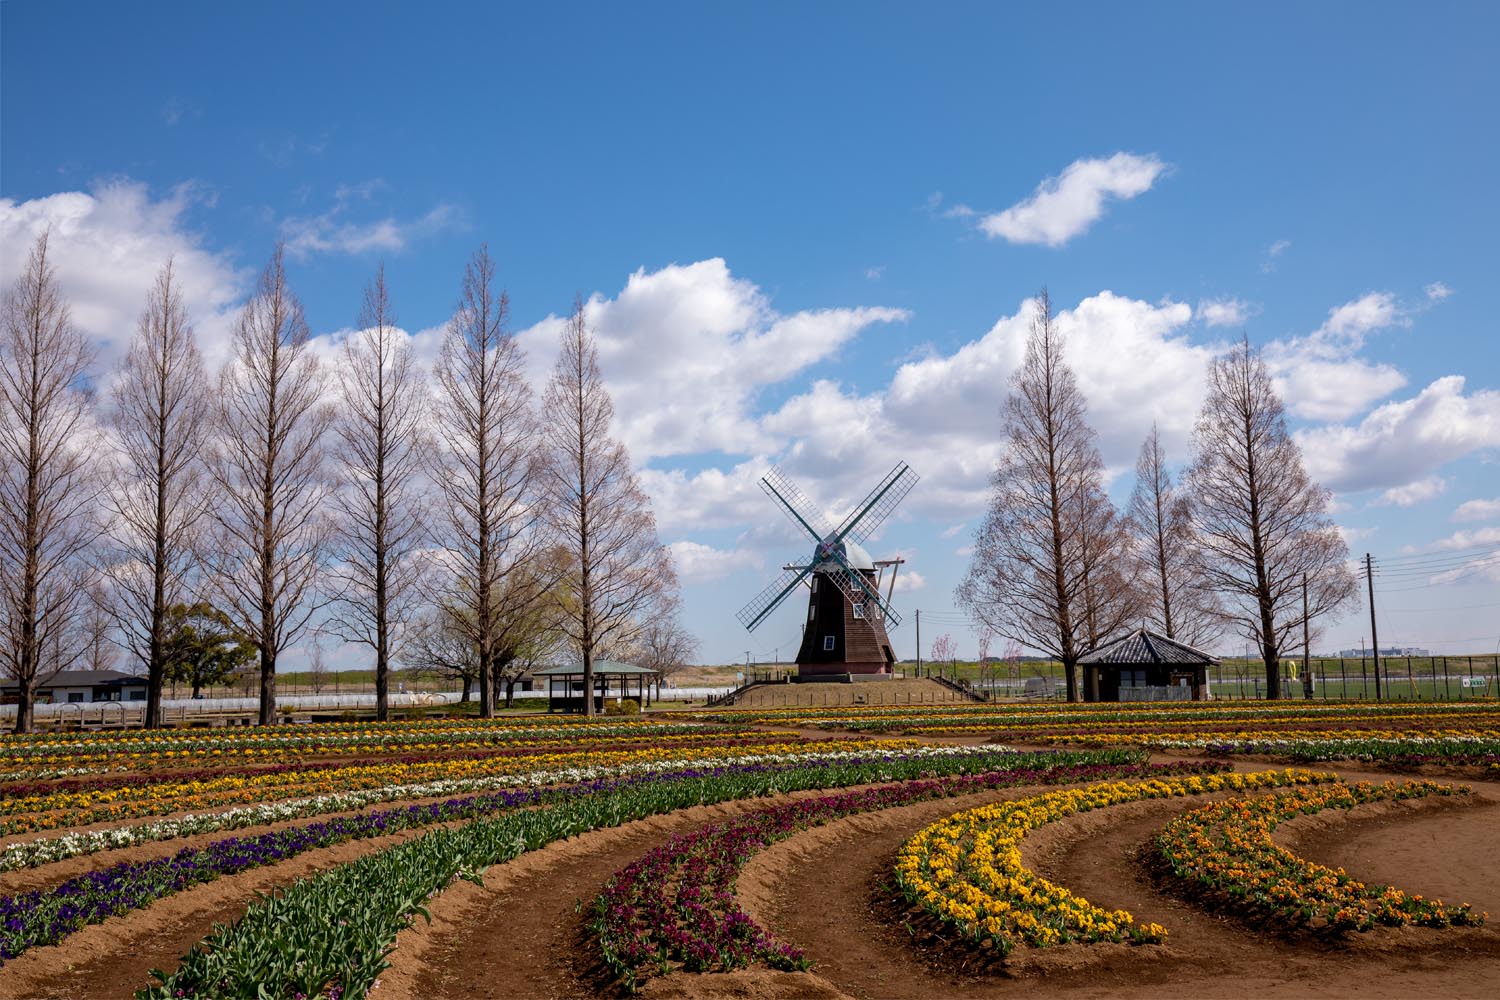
842	673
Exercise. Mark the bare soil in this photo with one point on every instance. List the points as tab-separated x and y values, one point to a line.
822	891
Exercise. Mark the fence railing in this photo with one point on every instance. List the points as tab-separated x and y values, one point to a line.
119	714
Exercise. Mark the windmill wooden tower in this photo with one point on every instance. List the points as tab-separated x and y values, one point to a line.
845	631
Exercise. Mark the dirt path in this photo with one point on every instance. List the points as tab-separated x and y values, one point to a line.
1440	853
521	935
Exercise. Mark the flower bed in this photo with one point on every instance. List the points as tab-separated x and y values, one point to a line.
966	870
113	805
145	749
677	904
1223	855
45	850
332	932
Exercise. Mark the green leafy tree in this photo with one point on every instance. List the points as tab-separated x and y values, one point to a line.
203	648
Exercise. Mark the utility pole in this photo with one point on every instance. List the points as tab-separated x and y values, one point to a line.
919	642
1374	636
1307	677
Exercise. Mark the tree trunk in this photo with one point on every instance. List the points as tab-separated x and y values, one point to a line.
26	707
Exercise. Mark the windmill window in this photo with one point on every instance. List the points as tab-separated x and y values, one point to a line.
828	644
812	611
814	585
859	609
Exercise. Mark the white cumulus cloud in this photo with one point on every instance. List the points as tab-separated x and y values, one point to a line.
1404	440
335	231
107	246
1320	375
1413	493
1223	312
1477	510
687	348
698	563
1064	206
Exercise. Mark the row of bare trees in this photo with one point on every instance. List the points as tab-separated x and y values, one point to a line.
393	509
1232	547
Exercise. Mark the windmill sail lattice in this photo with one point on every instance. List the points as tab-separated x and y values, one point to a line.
847	614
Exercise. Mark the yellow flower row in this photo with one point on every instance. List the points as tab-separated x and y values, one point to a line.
966	870
1253	735
108	761
333	739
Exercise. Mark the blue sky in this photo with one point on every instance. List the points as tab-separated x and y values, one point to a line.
809	232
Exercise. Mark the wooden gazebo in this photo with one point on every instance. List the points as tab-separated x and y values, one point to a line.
1145	666
565	684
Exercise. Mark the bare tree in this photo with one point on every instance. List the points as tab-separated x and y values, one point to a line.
942	649
1048	557
97	625
379	434
268	463
664	644
485	467
47	490
618	572
440	645
160	414
528	612
317	669
1263	522
1175	597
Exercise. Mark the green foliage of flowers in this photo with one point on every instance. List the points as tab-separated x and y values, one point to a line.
329	935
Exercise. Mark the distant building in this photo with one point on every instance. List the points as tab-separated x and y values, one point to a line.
1354	654
81	686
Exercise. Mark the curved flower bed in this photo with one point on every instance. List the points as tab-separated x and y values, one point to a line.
677	903
966	870
1223	854
331	932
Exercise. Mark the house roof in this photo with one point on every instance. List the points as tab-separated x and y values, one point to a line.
1144	646
82	678
601	667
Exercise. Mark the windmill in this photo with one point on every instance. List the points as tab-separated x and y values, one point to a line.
845	629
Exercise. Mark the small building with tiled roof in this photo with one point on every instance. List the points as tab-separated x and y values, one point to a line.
1146	666
70	686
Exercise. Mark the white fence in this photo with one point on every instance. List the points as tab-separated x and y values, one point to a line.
1156	693
133	713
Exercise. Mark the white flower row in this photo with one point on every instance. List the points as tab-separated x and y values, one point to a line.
32	853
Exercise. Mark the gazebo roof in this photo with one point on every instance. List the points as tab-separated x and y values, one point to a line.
1143	646
612	668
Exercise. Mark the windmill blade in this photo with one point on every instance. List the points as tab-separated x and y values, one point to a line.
875	508
858	588
769	599
795	504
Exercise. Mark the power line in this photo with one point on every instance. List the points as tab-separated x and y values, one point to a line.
1421	556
